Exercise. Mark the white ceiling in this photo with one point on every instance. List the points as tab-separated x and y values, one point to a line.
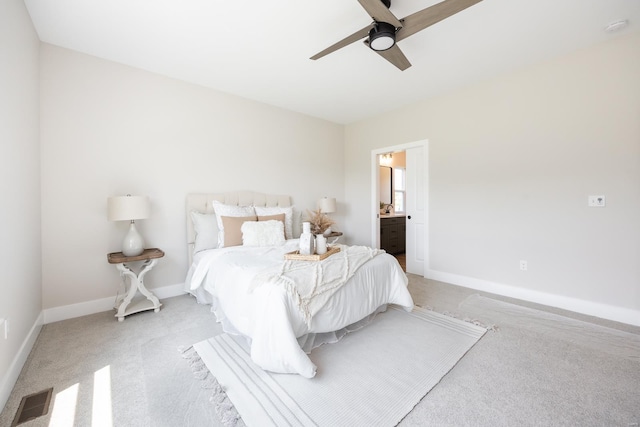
260	50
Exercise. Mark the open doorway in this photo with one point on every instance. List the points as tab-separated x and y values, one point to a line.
392	202
401	226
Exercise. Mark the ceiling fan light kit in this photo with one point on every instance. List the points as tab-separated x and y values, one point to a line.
382	36
386	30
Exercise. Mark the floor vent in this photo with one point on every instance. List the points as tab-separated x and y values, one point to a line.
33	406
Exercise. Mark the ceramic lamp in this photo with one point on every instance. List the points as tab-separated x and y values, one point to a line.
129	208
327	205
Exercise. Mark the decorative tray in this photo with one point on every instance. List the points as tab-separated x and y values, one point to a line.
295	255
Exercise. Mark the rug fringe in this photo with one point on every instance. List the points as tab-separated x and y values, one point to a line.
186	352
226	411
492	328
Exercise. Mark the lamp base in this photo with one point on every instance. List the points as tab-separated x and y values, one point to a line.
133	243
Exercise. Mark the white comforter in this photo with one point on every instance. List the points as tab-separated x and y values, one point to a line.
269	313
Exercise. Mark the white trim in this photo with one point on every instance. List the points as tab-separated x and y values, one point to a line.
169	291
603	311
71	311
10	378
375	207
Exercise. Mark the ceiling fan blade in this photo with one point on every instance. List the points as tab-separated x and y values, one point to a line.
379	12
426	17
394	55
345	42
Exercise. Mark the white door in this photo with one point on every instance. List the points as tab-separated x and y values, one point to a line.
416	211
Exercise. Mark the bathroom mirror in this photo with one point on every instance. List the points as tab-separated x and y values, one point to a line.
385	185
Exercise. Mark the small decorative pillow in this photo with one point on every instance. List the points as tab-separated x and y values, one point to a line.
205	227
229	210
278	217
232	229
263	233
275	210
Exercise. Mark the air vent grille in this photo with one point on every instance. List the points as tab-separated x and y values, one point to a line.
33	406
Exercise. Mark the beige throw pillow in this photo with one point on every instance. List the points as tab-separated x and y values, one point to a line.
232	229
228	210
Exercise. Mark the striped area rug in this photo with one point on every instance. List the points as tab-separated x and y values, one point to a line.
372	377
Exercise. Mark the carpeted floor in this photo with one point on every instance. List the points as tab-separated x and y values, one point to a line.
524	373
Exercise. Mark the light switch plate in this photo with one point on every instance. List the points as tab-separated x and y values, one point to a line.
597	201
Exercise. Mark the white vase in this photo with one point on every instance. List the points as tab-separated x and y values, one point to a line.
306	239
321	244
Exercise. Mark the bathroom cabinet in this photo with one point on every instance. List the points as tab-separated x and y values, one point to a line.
393	234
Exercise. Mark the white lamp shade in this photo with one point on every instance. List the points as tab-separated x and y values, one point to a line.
328	205
127	208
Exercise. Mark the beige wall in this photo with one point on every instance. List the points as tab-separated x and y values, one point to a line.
108	129
20	291
511	163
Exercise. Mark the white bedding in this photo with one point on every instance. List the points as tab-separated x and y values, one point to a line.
269	315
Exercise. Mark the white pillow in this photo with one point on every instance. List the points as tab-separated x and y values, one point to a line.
274	210
205	227
228	210
263	233
297	223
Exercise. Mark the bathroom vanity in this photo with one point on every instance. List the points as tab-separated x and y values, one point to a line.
393	233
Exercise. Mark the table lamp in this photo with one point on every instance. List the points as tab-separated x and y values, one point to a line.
129	208
327	205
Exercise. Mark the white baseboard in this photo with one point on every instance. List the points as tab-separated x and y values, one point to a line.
169	291
19	360
71	311
603	311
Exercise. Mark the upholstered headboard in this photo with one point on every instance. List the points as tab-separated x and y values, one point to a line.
203	203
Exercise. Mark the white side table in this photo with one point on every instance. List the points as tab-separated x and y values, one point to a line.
124	303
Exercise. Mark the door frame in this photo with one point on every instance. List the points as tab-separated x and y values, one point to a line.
375	183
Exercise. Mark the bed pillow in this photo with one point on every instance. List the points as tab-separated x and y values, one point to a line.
263	233
275	210
232	229
297	223
228	210
205	228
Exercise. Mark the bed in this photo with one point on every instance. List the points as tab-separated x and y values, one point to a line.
281	308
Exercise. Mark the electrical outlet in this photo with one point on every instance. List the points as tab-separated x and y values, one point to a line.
523	265
597	201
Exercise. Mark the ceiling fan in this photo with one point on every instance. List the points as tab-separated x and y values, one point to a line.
386	30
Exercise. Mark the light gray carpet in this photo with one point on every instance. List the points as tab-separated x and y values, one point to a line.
523	374
150	383
531	372
372	377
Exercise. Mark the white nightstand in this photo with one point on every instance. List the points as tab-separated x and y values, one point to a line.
124	303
